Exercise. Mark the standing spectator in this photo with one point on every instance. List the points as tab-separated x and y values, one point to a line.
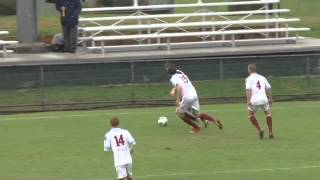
70	11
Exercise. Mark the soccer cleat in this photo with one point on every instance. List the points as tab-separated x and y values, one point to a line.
205	123
271	136
261	134
219	124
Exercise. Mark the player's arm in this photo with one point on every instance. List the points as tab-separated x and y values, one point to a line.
178	94
173	92
248	93
131	142
131	148
269	95
269	92
176	91
107	144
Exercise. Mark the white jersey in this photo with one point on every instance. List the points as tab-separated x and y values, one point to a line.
188	90
120	141
258	85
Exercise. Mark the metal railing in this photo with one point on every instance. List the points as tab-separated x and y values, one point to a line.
96	30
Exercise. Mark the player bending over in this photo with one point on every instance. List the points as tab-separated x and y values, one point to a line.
121	142
187	102
259	96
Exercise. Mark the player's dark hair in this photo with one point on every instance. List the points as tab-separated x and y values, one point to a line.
114	122
170	68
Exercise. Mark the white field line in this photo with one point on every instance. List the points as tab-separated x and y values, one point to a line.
138	112
150	176
66	116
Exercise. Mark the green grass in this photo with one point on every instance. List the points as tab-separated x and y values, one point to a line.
69	145
48	26
307	10
160	91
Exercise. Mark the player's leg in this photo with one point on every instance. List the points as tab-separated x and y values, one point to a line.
207	118
183	112
129	172
252	117
121	172
267	112
193	112
190	121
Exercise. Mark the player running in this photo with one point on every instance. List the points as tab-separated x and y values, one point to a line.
259	96
121	142
187	102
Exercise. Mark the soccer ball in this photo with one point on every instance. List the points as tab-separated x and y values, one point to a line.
163	121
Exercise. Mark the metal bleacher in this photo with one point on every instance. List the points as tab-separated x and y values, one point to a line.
5	44
204	26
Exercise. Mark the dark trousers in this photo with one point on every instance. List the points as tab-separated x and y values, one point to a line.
70	36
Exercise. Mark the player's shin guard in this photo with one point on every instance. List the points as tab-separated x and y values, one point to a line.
269	123
255	123
207	117
188	120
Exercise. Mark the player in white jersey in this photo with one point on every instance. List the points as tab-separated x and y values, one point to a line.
259	96
187	102
121	142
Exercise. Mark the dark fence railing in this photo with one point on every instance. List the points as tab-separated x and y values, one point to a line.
215	78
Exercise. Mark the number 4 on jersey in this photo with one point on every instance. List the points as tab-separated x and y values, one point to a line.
258	85
119	140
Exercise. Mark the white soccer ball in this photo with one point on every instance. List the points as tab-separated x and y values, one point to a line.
163	121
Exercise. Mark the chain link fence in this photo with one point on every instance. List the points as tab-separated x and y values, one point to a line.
59	87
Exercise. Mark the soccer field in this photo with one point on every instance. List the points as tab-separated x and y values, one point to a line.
69	145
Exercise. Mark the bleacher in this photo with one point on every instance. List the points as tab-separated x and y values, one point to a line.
112	31
4	44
